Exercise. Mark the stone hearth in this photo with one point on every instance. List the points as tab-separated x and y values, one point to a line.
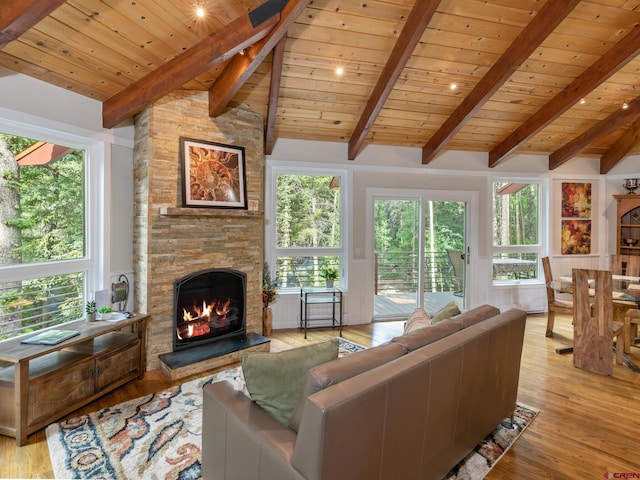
181	364
171	242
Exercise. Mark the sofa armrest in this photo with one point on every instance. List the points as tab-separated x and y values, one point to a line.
240	440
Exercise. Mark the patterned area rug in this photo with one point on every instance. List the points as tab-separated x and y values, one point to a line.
159	436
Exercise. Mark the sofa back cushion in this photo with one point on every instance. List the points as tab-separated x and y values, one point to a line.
419	338
477	315
323	376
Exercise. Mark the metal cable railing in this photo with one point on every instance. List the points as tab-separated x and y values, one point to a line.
397	272
30	305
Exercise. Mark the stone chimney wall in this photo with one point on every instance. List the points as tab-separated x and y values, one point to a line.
168	245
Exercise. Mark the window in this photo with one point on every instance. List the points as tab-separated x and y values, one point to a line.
45	255
308	228
516	231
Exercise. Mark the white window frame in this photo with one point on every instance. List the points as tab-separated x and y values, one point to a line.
271	249
95	263
543	220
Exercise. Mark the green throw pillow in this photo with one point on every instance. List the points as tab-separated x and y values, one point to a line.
448	311
274	380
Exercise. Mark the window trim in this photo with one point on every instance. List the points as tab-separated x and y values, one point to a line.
272	251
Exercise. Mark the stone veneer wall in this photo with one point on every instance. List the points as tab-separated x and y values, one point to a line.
167	247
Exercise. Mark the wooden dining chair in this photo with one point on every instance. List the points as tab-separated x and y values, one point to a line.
631	322
553	305
593	325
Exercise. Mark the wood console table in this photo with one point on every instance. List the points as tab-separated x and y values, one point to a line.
42	383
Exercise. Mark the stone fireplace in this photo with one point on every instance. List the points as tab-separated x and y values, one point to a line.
171	242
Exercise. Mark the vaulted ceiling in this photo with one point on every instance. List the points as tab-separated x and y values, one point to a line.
531	76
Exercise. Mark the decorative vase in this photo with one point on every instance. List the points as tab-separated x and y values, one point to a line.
267	319
630	184
329	283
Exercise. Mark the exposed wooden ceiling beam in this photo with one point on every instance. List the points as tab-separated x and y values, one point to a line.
621	148
18	16
613	122
411	34
274	94
214	49
538	29
617	57
241	67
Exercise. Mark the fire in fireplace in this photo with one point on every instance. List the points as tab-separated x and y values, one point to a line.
209	305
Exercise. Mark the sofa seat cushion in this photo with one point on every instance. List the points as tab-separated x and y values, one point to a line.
274	380
330	373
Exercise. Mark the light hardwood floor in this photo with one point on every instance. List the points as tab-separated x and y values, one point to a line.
588	424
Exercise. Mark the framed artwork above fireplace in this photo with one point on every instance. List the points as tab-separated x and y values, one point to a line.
213	174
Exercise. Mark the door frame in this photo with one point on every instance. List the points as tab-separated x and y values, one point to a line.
471	247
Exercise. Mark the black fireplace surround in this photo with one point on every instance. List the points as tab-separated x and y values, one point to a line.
209	305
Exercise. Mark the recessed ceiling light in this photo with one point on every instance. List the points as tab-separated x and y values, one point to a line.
201	9
625	105
582	101
453	86
339	71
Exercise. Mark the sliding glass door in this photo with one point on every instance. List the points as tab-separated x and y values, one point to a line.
420	253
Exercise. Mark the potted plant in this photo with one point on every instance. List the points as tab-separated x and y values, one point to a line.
329	273
105	312
91	309
269	295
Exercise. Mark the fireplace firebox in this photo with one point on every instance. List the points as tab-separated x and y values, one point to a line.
209	305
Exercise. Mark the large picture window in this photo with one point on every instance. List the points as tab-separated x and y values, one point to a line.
516	230
43	234
308	228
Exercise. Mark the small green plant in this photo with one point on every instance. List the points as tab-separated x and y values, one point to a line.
329	272
91	307
105	309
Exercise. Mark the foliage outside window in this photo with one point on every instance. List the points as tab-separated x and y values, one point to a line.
308	234
42	235
516	231
397	243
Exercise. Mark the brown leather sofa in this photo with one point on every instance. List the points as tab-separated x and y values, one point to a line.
421	403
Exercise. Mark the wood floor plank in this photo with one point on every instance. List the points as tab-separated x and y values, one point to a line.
588	423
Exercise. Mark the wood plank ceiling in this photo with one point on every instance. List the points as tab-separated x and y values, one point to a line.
531	76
